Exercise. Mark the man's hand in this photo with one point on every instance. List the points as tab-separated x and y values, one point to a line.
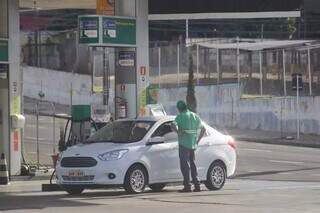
174	127
203	131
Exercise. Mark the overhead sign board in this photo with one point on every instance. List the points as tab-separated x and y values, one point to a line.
4	50
89	29
119	31
107	30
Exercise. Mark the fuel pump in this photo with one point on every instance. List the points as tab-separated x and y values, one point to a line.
79	126
122	108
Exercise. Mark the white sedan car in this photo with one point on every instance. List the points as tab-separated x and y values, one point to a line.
135	153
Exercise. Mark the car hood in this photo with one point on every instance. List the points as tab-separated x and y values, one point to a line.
93	149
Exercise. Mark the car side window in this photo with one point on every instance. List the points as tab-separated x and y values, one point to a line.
165	131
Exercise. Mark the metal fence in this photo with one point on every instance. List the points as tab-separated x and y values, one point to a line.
260	72
42	131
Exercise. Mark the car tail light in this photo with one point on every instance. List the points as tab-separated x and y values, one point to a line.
232	143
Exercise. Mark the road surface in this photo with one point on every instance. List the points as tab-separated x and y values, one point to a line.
269	178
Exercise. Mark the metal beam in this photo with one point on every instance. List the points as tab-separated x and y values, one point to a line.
238	15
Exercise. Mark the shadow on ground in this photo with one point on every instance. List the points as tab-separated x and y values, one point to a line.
36	200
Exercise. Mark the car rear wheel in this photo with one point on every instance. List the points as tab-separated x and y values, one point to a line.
136	179
157	187
73	190
216	176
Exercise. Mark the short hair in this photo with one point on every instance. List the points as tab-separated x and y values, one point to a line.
182	106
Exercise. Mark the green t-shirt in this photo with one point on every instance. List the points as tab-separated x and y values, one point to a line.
188	125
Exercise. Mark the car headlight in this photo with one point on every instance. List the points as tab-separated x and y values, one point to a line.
113	155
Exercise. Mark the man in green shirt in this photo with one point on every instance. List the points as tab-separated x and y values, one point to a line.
187	125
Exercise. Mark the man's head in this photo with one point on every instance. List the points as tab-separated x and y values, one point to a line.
182	106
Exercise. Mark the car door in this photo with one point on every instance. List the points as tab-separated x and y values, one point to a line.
207	151
203	155
163	157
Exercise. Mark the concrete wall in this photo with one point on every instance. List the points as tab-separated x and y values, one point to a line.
218	105
222	106
57	86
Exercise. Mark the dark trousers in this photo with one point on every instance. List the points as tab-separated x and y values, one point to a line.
187	165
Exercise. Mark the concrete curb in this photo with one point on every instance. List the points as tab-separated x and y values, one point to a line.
28	178
279	141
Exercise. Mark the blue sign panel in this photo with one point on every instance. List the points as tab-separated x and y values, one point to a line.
126	58
4	71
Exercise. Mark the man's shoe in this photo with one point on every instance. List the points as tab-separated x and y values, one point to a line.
197	189
185	190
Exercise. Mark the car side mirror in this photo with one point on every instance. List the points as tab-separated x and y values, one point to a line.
155	140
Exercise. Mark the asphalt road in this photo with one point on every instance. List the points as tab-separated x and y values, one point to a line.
269	178
241	196
276	162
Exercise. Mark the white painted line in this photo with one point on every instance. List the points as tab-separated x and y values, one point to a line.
286	162
255	150
291	187
285	173
253	171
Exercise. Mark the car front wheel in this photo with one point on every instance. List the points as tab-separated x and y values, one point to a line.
216	176
135	180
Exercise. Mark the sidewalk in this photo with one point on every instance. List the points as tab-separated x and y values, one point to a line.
22	186
270	137
39	175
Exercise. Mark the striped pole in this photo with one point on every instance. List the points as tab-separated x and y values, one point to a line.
4	174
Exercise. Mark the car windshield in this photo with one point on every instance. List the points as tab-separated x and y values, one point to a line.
121	132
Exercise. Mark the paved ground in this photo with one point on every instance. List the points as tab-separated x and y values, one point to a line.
271	137
260	161
237	196
270	178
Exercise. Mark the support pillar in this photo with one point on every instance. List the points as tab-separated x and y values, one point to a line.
10	83
15	79
138	9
